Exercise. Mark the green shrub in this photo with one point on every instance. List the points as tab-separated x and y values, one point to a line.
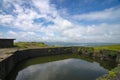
117	70
111	74
79	49
49	50
112	53
90	50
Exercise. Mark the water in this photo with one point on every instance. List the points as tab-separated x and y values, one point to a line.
59	67
68	69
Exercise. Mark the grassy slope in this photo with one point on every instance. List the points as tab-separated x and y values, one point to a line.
30	44
108	47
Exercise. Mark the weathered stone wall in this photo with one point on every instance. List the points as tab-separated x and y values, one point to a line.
6	66
107	55
118	59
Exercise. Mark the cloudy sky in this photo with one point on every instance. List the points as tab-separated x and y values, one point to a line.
60	20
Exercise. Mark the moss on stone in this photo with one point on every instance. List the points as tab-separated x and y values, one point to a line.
112	75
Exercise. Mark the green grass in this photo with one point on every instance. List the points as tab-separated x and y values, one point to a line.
30	44
116	70
108	47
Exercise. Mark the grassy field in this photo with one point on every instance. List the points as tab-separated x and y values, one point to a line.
30	44
115	47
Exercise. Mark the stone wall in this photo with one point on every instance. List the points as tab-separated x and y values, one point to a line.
118	59
6	66
107	55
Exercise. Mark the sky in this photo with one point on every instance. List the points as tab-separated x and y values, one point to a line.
84	21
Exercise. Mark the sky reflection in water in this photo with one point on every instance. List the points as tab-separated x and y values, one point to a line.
68	69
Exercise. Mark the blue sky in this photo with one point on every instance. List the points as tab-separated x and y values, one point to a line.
60	20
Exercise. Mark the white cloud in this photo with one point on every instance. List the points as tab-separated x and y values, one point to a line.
24	36
12	33
43	6
6	19
24	20
94	33
107	14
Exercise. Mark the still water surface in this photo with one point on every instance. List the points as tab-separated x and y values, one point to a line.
68	69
